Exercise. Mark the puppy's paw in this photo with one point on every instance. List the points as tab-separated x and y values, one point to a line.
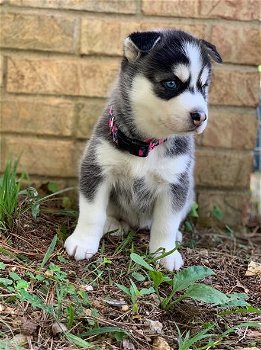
173	261
115	227
81	247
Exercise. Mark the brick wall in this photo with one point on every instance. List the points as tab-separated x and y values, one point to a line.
59	57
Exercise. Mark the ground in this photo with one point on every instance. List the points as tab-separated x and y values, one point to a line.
49	301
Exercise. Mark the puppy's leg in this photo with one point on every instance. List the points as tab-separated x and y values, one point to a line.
84	241
164	231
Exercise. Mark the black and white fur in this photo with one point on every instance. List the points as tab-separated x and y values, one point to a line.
163	80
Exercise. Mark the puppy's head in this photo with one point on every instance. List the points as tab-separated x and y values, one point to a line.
167	75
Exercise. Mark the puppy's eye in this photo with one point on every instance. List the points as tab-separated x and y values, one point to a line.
170	85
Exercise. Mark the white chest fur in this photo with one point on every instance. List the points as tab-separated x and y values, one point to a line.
156	168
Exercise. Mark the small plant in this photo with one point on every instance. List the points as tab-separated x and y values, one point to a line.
9	192
184	285
134	293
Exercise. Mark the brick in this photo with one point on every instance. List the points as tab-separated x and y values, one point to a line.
76	77
245	10
104	36
230	128
235	86
110	6
42	157
97	34
232	42
38	32
175	8
232	204
87	115
198	30
40	117
223	168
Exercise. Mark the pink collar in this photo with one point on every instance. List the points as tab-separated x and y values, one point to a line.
133	146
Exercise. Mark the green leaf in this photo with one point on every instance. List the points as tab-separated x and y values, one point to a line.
14	276
140	261
77	341
157	278
138	276
194	210
6	281
104	330
207	294
147	291
53	187
34	300
217	213
126	290
22	284
190	275
237	299
49	251
35	209
70	315
2	265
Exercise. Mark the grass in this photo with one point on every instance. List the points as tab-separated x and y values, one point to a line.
121	297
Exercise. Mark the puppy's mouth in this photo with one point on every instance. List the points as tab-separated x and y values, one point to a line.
173	130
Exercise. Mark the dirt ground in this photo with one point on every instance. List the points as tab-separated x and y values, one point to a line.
23	248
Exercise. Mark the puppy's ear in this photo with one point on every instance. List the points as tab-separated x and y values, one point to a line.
212	51
139	42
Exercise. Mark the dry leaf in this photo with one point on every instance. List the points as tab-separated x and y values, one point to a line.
19	340
58	327
160	343
28	327
154	326
253	269
115	302
127	345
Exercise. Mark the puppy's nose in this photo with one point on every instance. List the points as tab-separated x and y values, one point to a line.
198	117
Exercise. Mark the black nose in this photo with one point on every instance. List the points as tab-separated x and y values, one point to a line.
198	117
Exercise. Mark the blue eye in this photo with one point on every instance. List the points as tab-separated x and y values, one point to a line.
170	85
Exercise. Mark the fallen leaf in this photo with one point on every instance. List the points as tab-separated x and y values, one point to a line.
19	340
253	269
160	343
253	334
115	302
154	326
28	327
125	308
58	328
127	345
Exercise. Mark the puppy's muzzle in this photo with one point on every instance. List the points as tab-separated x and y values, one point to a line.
198	117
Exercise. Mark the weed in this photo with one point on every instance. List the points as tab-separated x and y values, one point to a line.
9	192
184	285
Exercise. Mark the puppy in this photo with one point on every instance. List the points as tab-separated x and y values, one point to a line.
137	168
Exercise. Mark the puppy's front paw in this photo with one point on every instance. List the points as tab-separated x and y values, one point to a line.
173	261
81	247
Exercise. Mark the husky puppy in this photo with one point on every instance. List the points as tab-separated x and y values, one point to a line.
137	168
